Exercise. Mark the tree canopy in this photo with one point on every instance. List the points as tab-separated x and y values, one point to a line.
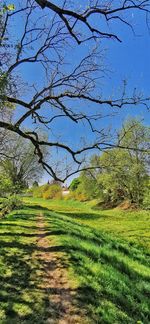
121	174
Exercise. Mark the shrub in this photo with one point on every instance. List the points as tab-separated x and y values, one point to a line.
76	195
6	186
1	202
68	197
48	191
53	191
58	195
27	192
39	191
9	204
81	196
74	184
35	184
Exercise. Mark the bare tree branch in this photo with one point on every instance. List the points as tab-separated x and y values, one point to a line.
64	88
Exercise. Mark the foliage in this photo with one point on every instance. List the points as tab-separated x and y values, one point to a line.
54	191
77	195
125	172
47	191
84	188
6	185
74	184
5	8
120	173
78	192
35	184
38	191
9	204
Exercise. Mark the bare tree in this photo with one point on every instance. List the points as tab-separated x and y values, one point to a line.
64	89
18	161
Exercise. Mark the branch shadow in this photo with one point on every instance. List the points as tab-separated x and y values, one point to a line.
114	259
22	299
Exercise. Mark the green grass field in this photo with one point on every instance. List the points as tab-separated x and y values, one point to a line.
131	225
109	267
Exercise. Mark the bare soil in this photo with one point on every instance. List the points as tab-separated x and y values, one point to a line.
63	307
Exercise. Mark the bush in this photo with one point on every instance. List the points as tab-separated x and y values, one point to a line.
76	195
1	202
47	191
6	186
54	191
9	204
81	196
74	184
39	191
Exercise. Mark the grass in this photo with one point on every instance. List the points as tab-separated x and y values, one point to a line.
111	273
21	301
133	226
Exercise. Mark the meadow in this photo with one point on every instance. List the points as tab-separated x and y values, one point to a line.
132	225
108	272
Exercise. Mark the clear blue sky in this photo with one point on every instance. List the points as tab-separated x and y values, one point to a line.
127	60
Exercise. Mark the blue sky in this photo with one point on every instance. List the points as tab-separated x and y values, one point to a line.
127	60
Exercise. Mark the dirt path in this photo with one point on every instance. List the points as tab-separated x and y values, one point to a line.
62	308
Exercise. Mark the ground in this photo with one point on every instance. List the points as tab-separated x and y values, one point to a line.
63	262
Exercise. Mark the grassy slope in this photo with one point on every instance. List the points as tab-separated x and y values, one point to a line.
112	276
131	225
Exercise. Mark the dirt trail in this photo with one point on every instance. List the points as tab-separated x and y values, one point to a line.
62	308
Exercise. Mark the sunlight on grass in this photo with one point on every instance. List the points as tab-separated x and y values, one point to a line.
20	297
110	275
131	225
109	271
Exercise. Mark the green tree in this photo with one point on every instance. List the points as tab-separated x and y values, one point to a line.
122	173
35	184
136	135
74	184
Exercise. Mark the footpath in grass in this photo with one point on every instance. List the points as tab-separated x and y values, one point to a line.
35	287
57	267
60	290
113	276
